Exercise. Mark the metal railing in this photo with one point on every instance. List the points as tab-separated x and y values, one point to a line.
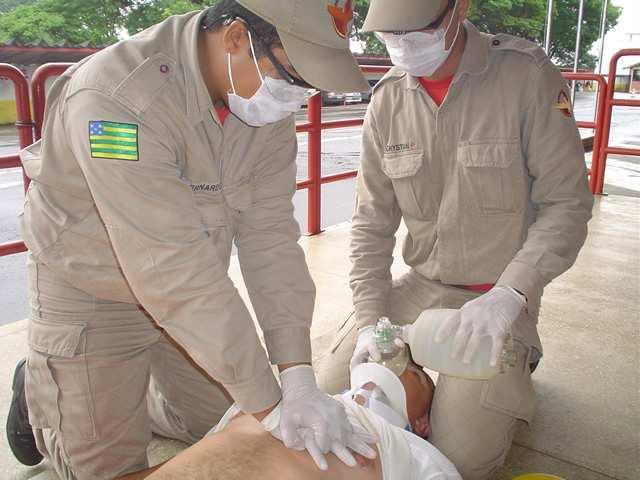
315	180
611	102
596	124
38	91
24	124
29	129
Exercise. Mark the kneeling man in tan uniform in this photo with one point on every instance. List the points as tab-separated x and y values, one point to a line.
470	140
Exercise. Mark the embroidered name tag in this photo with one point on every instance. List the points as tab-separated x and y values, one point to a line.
206	187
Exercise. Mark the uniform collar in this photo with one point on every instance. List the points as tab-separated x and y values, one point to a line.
198	99
474	58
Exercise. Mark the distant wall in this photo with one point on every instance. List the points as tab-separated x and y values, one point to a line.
622	83
7	95
635	80
7	102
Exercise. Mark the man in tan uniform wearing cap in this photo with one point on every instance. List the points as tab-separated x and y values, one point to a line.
470	140
157	154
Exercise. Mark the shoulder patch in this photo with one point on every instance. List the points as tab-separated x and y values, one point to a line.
509	43
141	87
113	140
563	104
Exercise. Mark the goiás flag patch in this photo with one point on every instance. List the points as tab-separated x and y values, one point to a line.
113	140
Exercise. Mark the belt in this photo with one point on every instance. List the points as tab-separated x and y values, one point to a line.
482	288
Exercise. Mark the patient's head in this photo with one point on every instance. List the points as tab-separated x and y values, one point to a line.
419	390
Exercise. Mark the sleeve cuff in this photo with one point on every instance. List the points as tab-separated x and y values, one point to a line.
524	279
256	394
288	345
368	313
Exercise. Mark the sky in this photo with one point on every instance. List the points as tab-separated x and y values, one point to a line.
621	36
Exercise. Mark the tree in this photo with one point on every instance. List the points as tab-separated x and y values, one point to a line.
8	5
371	44
97	22
150	12
71	22
525	18
102	22
564	26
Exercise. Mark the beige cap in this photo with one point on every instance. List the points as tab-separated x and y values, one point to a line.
315	36
401	15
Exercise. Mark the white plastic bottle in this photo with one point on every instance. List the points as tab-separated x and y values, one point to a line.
437	356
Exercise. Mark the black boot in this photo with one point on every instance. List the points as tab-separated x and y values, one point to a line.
19	431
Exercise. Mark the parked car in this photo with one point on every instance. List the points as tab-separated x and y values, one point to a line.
309	92
352	97
332	98
366	96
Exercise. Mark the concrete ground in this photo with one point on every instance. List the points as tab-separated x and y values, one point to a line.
588	421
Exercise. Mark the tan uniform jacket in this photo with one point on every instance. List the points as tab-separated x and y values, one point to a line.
158	230
492	184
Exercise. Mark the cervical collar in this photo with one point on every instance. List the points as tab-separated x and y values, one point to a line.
390	385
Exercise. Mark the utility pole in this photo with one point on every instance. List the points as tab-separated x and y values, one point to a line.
547	30
577	55
605	6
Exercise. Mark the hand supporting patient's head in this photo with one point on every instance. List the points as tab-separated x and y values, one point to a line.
419	389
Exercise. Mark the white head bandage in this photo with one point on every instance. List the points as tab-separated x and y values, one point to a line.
389	383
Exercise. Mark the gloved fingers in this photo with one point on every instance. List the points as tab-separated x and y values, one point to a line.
472	348
313	449
448	327
289	433
358	446
497	344
374	351
321	435
358	358
460	341
345	456
399	342
360	434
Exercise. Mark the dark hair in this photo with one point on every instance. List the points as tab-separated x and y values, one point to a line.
224	10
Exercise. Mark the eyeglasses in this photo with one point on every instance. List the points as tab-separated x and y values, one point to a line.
433	25
286	76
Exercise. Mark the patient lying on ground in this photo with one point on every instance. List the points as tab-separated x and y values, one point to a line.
386	405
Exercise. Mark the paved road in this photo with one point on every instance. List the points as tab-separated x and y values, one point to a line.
340	153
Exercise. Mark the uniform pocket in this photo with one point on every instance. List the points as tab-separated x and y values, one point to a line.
411	190
57	379
216	223
212	210
491	175
512	392
239	196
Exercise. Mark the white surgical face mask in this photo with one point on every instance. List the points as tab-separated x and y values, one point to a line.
274	100
419	53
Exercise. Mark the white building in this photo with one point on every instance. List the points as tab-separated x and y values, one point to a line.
626	34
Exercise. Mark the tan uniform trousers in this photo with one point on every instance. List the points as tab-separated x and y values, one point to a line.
101	377
472	422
